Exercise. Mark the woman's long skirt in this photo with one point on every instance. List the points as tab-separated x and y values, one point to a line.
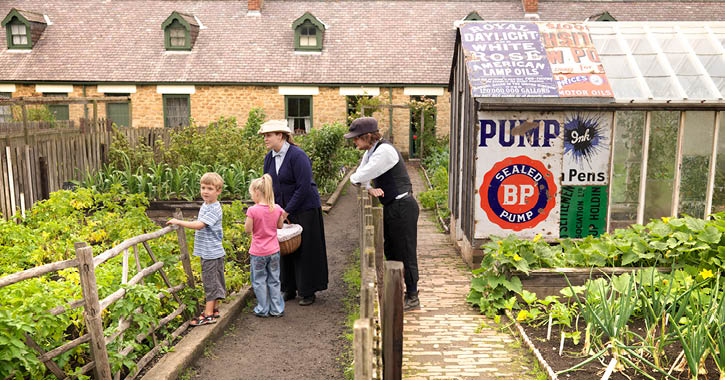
305	270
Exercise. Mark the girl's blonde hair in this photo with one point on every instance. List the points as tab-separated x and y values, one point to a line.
264	186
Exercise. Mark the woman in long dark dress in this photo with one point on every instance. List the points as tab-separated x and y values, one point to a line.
304	271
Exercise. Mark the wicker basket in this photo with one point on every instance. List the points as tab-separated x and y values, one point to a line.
290	238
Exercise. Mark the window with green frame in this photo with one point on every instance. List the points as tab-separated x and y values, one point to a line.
17	30
119	113
6	113
352	102
177	37
59	111
430	119
177	110
308	33
298	112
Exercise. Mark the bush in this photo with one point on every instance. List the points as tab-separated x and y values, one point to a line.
330	153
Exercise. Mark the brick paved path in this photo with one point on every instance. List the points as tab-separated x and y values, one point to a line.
444	339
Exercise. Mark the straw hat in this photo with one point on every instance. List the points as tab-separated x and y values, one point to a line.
275	126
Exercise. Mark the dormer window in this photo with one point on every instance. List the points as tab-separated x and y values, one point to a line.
473	16
23	28
180	31
308	33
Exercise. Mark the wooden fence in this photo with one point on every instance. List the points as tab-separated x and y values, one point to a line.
377	355
93	306
38	160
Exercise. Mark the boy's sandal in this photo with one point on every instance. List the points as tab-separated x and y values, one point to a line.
202	320
216	313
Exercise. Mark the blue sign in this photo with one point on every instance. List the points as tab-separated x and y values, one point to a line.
507	59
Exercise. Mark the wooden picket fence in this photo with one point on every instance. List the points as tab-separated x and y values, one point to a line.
378	333
94	307
39	159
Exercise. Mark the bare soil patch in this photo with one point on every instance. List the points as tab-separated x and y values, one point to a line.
572	355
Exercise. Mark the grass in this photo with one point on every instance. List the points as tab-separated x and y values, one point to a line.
208	351
187	374
351	277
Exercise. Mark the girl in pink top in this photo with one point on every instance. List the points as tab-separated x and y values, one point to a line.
263	220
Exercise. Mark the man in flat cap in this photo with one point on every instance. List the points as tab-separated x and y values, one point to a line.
384	166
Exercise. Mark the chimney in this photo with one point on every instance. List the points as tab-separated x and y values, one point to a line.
531	7
254	7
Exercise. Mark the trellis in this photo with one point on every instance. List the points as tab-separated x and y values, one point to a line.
94	307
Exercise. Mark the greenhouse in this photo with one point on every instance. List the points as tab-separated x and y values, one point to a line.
636	109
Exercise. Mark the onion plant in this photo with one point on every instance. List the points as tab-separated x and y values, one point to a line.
694	330
716	343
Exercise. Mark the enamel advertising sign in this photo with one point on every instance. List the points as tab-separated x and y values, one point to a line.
527	162
574	60
525	59
587	145
518	168
507	59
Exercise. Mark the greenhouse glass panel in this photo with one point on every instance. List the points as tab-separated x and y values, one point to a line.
626	168
695	165
639	44
650	66
696	87
626	88
718	195
617	66
661	159
662	87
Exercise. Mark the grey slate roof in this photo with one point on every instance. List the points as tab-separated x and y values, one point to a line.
366	42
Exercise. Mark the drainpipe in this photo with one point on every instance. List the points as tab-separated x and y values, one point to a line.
390	91
85	105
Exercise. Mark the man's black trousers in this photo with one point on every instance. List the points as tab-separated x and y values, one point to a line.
400	232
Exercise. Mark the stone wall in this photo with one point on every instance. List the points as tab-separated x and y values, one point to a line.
210	102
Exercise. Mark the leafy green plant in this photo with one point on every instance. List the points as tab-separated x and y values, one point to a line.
331	155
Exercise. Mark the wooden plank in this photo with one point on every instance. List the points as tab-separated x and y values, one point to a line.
19	178
379	249
363	345
50	364
4	199
392	323
29	195
184	251
161	271
53	165
93	311
36	272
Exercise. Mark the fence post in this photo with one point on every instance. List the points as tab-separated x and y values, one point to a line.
92	313
25	123
184	250
379	248
363	338
44	184
392	325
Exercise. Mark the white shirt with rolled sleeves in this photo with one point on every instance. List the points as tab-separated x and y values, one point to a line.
374	164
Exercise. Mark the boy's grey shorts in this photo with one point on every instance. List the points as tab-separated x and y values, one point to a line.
212	275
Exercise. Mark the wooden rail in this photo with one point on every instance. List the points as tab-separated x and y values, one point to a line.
93	306
381	284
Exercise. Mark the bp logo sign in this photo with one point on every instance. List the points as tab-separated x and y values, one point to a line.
518	193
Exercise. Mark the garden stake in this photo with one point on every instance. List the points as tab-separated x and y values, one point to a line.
561	343
548	329
610	368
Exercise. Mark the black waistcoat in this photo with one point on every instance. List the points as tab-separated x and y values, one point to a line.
395	181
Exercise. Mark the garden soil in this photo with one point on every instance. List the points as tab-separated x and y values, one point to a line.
307	343
571	356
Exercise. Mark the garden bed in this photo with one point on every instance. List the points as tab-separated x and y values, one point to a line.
548	282
572	355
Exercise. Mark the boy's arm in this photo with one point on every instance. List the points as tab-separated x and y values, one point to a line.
195	225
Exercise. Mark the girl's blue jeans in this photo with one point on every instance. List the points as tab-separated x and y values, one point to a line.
266	285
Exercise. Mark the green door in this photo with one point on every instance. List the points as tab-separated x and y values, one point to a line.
118	114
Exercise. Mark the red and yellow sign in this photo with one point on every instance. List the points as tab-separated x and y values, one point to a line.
518	193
